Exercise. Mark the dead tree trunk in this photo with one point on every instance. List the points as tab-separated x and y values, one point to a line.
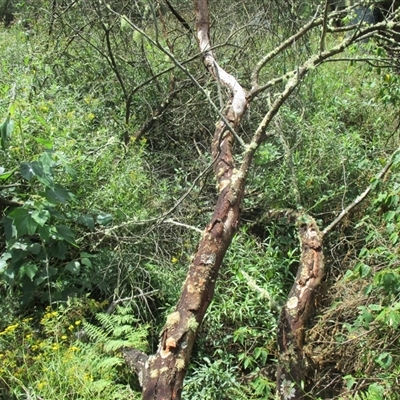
294	317
164	371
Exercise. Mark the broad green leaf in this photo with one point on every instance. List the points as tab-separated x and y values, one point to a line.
35	248
70	171
104	219
41	216
9	228
363	270
26	171
23	221
19	245
396	158
29	270
29	170
86	261
65	233
47	162
73	267
45	275
44	232
86	220
42	121
58	194
394	237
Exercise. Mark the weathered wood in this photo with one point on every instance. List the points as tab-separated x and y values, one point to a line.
294	317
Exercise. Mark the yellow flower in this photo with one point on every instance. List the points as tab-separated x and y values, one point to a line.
28	336
9	329
174	260
71	327
90	116
41	385
43	108
78	322
64	337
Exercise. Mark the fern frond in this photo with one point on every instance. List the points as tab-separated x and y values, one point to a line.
113	345
110	362
99	385
123	330
94	332
107	321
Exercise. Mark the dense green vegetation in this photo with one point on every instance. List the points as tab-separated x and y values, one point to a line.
101	210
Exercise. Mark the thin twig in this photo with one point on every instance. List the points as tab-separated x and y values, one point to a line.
363	195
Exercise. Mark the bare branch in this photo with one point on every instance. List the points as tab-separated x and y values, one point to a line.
193	228
194	80
324	27
239	102
284	45
363	195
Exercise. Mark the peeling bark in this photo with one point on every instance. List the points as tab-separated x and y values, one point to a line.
165	371
291	330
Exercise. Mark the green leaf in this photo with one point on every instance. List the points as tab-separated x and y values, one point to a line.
393	319
375	307
86	261
58	194
29	170
65	233
73	267
86	220
23	221
3	260
44	232
5	131
350	381
40	216
362	269
45	275
86	255
35	248
394	237
29	270
45	142
26	171
6	175
9	228
104	219
384	360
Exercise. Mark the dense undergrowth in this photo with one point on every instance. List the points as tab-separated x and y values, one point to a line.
83	274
